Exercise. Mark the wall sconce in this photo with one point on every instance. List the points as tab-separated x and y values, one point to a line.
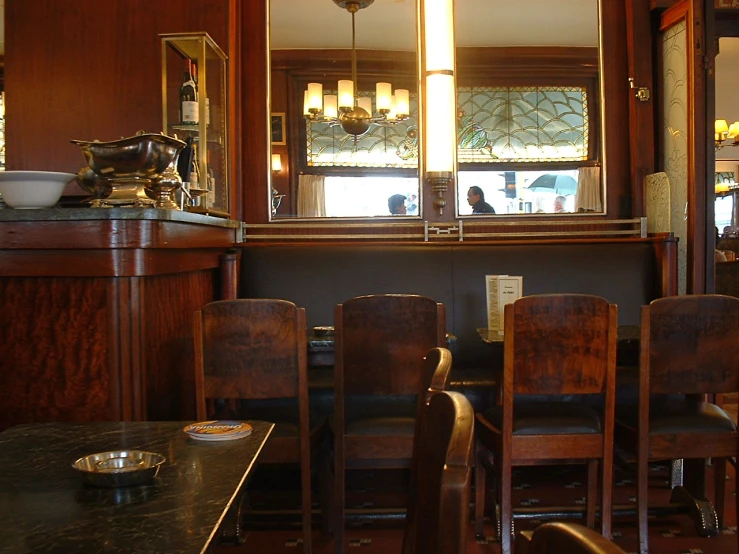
276	163
441	107
276	197
723	131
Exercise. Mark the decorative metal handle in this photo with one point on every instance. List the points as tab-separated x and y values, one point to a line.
642	93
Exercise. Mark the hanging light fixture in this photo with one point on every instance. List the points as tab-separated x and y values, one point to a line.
352	112
723	131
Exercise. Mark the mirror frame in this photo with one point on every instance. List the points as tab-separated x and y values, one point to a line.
252	111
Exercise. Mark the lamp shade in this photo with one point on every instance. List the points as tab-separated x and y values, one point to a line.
441	132
330	106
346	94
439	34
384	90
402	102
721	126
276	163
315	97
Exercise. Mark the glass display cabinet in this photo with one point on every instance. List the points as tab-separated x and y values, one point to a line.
194	110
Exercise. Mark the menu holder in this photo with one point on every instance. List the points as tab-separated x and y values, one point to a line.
501	290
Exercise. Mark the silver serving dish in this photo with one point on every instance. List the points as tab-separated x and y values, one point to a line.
143	156
136	171
119	468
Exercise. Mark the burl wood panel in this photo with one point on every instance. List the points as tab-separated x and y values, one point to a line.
89	69
54	351
170	302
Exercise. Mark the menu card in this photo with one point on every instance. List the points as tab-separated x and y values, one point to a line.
501	290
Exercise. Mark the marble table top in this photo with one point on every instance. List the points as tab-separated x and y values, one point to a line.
131	214
45	507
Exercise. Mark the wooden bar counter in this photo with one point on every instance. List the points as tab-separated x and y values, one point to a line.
96	310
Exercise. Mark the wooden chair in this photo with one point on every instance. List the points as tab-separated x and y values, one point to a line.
438	365
555	344
381	341
439	508
564	538
689	346
253	354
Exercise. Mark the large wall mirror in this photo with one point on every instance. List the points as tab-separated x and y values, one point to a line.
529	112
328	159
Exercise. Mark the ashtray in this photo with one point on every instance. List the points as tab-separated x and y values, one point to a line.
323	331
119	468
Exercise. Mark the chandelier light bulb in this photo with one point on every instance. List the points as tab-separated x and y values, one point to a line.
330	106
365	102
402	102
346	94
384	90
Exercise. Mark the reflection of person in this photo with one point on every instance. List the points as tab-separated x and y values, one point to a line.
396	204
476	199
559	204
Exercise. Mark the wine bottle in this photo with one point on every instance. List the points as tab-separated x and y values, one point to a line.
211	195
188	96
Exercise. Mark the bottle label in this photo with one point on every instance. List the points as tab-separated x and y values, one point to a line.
189	112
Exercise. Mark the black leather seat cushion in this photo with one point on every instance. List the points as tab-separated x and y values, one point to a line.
379	415
676	415
557	418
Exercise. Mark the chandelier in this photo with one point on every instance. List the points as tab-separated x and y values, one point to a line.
354	113
723	132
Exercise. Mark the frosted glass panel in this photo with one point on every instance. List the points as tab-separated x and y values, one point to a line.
675	136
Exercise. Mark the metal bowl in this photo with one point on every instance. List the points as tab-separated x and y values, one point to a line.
143	156
119	468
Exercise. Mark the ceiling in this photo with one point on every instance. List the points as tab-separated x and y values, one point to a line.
390	24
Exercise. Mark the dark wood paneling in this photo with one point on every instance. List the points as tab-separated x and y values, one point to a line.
170	303
89	69
641	114
255	154
54	351
616	109
104	262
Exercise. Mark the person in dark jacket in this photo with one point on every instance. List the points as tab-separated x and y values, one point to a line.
396	204
476	199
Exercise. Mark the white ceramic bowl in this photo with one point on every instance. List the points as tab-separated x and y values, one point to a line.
33	189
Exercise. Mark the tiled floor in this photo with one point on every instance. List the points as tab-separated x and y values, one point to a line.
674	534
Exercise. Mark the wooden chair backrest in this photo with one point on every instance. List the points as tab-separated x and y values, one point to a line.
439	518
437	368
690	344
250	349
381	341
561	538
559	344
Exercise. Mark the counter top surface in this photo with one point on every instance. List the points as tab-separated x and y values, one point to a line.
45	507
129	214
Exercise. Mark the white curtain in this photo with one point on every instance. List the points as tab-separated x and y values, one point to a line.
311	196
589	190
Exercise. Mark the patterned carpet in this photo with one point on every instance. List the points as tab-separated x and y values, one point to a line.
533	487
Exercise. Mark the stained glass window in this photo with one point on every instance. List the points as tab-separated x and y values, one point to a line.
522	124
384	145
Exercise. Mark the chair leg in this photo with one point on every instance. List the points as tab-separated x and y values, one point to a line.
325	479
719	487
307	506
339	500
506	509
642	488
736	506
592	493
480	478
606	502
